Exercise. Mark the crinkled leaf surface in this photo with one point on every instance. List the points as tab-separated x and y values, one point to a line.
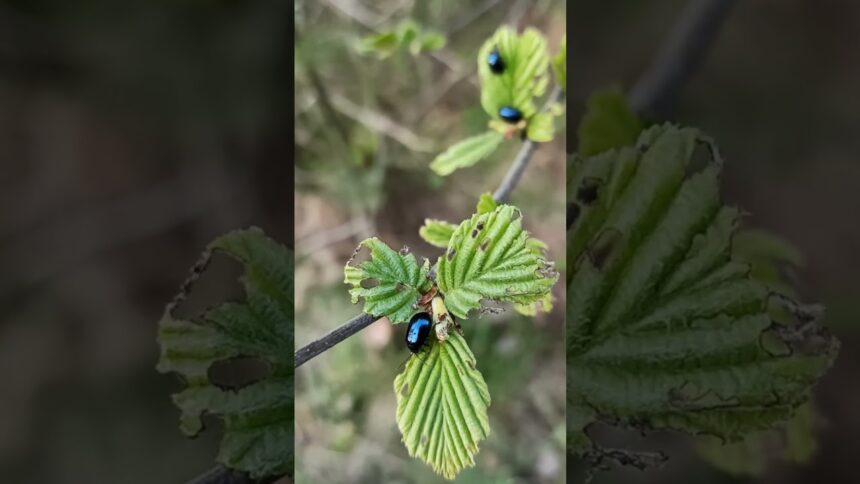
258	417
437	232
442	402
390	282
664	328
525	75
488	257
467	152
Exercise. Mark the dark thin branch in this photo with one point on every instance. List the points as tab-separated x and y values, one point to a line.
657	92
363	320
337	335
512	177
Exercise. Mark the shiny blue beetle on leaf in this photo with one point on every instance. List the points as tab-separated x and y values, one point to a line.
510	114
417	331
494	60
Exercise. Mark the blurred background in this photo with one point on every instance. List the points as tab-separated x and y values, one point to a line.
131	134
778	93
369	119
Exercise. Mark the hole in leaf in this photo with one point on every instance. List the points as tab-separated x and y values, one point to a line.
474	233
369	283
588	190
603	247
208	284
480	226
239	372
451	254
484	245
701	158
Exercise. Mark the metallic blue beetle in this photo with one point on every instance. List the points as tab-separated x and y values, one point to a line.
510	114
418	331
494	59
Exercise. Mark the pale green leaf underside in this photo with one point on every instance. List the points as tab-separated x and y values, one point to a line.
488	257
525	76
442	402
664	328
258	418
437	232
467	152
399	281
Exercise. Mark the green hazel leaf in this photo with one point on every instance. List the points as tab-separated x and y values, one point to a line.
543	305
665	329
488	257
540	127
390	282
765	253
539	248
559	64
257	416
442	402
432	40
525	75
436	232
382	44
486	203
608	123
467	152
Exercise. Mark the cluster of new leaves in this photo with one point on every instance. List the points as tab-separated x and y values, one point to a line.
442	398
666	329
523	79
408	35
439	234
257	416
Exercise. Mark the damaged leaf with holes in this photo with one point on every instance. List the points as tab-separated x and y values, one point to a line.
390	282
665	328
257	416
489	257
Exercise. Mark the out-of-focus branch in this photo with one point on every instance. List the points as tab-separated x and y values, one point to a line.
656	93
